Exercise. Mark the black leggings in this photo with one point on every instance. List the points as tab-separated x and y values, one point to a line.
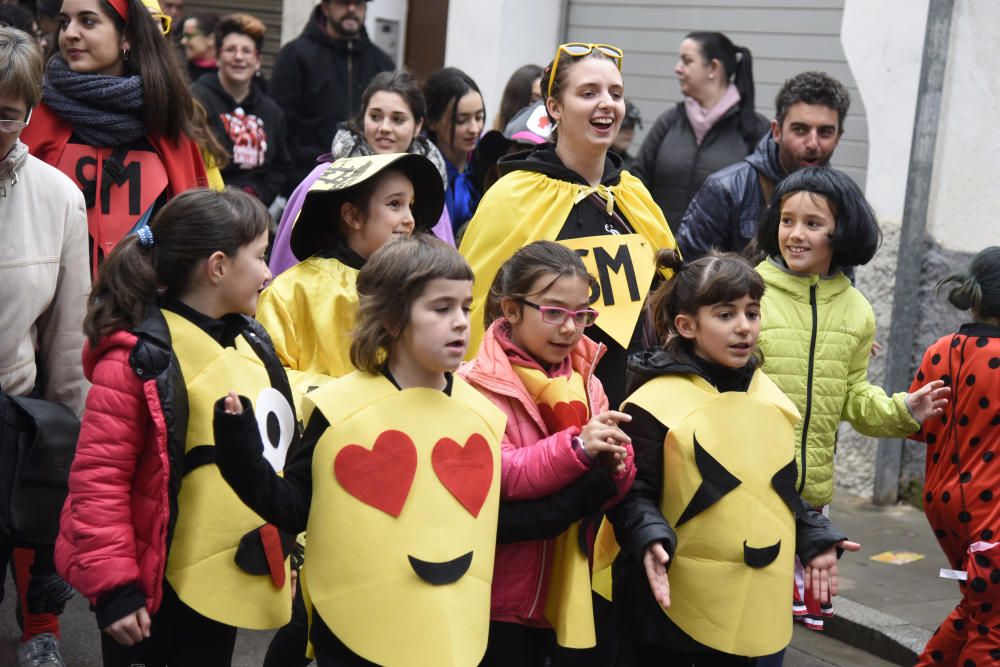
178	636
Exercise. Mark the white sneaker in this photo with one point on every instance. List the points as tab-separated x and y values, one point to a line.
40	651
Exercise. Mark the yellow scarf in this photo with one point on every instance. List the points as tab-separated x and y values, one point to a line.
563	403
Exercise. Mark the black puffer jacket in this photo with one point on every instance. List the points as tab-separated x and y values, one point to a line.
725	211
318	81
673	165
638	521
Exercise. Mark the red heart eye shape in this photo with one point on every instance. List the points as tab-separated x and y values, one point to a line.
380	476
563	415
467	472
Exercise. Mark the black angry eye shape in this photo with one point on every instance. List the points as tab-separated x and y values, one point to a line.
716	482
276	423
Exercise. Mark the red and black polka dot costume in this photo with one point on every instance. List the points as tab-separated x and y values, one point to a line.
962	489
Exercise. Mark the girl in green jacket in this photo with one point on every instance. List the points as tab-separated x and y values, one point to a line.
817	330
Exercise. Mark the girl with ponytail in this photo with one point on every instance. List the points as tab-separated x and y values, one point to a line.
714	125
961	446
170	559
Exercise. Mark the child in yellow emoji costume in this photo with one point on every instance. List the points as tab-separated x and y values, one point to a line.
714	498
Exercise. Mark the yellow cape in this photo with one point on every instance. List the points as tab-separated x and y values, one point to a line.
526	206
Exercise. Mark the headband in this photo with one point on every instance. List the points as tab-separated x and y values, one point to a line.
121	8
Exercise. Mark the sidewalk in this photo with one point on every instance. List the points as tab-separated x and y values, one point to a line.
889	610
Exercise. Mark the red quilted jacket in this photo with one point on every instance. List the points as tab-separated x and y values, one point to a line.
534	463
113	530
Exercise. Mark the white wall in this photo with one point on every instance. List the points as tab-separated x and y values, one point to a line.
489	39
965	199
884	46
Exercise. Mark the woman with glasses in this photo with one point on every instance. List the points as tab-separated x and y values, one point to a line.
245	120
116	117
714	125
574	191
44	281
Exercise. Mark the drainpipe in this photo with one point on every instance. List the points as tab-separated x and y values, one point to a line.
912	239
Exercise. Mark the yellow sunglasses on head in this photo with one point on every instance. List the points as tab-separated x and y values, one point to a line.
579	50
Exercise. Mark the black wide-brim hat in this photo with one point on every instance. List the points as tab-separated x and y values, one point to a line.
320	214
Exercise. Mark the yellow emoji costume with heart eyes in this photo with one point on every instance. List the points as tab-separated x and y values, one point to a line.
728	485
211	519
526	206
403	520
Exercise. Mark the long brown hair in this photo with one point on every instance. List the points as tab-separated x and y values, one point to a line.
715	278
392	279
168	107
186	231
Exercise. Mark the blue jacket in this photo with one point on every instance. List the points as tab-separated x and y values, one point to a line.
725	211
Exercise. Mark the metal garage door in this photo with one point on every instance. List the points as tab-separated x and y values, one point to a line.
268	11
784	36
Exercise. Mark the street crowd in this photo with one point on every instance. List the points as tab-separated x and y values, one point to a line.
336	354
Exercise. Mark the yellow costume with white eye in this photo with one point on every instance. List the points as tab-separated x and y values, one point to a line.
403	519
211	519
726	458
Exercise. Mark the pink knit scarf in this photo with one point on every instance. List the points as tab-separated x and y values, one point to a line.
703	119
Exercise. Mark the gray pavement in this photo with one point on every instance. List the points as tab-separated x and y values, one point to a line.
884	615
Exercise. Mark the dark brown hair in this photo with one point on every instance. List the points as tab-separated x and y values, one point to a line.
715	278
168	107
516	94
400	82
392	279
186	231
518	274
978	288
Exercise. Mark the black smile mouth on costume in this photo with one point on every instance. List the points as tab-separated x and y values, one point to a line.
439	574
762	557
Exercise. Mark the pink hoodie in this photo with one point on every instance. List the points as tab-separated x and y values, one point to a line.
534	463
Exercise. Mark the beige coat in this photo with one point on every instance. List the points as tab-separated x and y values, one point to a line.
44	280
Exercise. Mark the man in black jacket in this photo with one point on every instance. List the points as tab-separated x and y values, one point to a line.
318	79
807	127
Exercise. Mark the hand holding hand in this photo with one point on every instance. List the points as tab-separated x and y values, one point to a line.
929	401
601	434
821	572
655	563
131	629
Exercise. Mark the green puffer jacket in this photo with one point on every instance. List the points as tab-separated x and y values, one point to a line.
816	336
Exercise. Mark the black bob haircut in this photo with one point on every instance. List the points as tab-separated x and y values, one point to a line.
855	238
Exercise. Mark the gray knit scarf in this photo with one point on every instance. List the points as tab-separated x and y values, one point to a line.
9	165
103	110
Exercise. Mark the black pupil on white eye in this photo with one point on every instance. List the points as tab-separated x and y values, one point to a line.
273	430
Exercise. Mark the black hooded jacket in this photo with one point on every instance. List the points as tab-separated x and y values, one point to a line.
588	218
638	521
253	133
318	81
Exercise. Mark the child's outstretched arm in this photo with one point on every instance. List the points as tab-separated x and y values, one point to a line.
640	527
818	544
867	407
282	501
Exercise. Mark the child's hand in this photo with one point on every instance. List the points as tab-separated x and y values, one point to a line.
233	404
654	561
601	434
929	401
294	582
821	571
130	629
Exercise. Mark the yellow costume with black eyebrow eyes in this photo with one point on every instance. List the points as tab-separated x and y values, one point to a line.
728	485
211	519
403	519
